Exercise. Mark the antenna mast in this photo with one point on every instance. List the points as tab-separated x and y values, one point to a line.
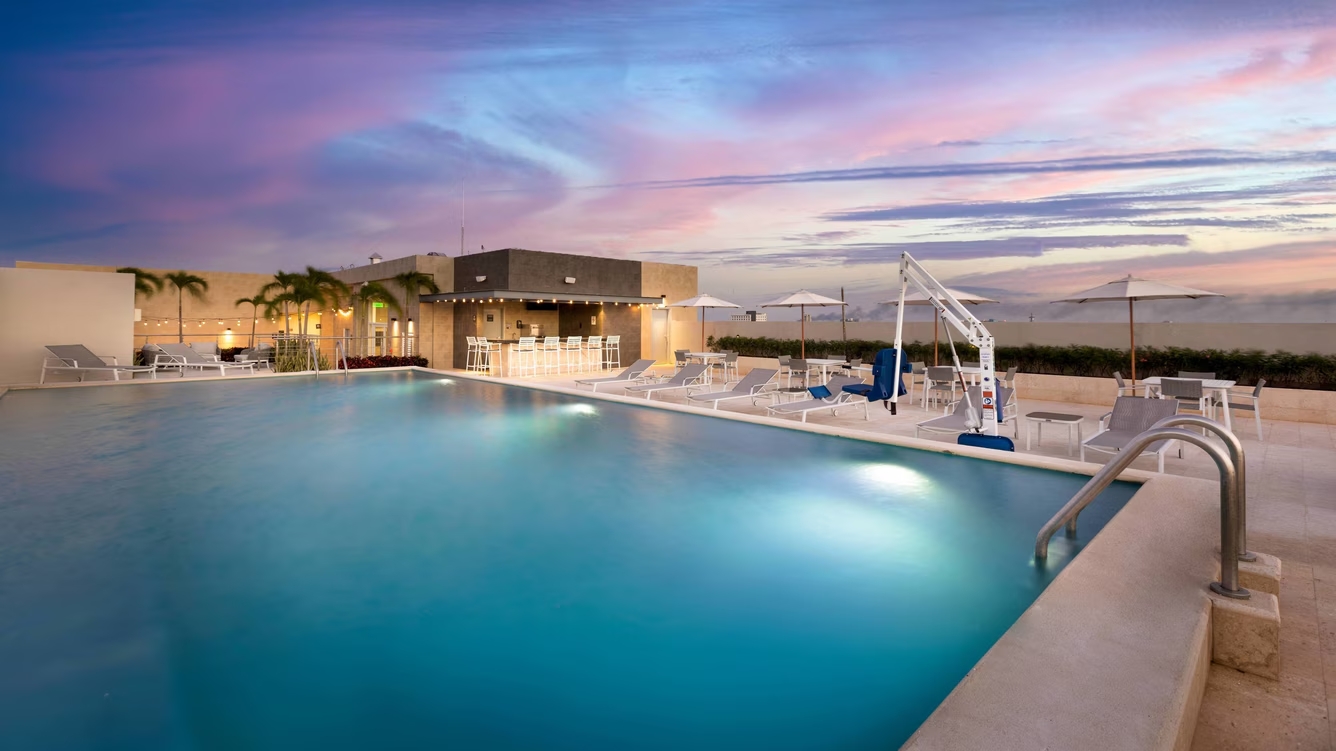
461	218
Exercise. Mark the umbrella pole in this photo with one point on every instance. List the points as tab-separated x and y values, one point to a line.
702	329
802	324
1132	336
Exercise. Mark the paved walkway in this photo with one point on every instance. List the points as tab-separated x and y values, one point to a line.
1291	514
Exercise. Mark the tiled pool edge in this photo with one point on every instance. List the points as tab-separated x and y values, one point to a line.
1114	654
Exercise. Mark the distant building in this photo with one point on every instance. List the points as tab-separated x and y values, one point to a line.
750	315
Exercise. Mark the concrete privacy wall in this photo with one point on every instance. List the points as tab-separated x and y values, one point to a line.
42	306
1299	338
225	287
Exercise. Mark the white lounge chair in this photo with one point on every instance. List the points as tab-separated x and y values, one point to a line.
76	358
956	422
829	396
1131	416
750	387
637	373
183	356
689	376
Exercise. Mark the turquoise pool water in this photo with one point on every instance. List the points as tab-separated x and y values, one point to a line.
405	561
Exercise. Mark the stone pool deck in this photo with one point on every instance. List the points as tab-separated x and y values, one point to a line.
1291	514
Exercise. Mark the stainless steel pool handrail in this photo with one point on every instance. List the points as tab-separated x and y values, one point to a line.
340	357
1229	501
1235	448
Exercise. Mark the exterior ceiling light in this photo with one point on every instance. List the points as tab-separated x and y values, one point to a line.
570	280
479	278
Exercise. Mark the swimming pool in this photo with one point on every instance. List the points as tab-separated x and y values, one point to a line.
401	560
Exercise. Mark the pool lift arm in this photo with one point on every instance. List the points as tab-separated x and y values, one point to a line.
982	418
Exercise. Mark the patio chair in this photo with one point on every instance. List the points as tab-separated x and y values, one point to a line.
76	358
918	374
1247	402
680	358
798	367
1009	380
1124	388
752	386
1196	374
183	356
785	371
830	395
1188	393
939	380
207	350
957	422
728	366
690	376
261	354
1131	416
634	374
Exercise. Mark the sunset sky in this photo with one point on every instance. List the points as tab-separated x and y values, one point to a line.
1023	149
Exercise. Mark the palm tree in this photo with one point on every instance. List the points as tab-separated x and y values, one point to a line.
413	282
146	282
256	302
185	283
282	284
326	289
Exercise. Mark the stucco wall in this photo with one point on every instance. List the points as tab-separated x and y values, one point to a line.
675	282
1289	337
218	305
42	306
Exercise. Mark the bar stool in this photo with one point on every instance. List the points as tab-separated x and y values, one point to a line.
573	354
612	351
483	356
551	354
471	356
524	357
593	353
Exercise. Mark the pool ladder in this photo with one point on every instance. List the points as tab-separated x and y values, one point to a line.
1233	494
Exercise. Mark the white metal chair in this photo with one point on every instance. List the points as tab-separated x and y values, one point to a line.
551	354
1247	402
573	353
1124	388
1189	394
471	356
524	357
483	359
593	353
939	380
612	351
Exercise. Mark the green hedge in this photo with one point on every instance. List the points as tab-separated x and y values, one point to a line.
1280	369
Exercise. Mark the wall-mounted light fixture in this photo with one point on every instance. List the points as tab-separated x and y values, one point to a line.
570	280
663	301
479	278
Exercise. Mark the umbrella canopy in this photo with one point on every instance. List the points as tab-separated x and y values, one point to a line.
802	299
703	301
1131	289
918	298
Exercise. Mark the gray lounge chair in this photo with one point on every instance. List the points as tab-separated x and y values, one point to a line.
955	423
1131	416
634	374
838	398
76	358
750	387
183	356
690	376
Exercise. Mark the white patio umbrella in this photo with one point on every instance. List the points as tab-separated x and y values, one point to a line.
918	298
802	300
703	301
1132	289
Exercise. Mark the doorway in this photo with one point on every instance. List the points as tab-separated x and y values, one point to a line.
658	334
492	327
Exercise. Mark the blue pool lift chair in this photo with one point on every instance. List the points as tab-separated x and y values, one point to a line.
882	379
